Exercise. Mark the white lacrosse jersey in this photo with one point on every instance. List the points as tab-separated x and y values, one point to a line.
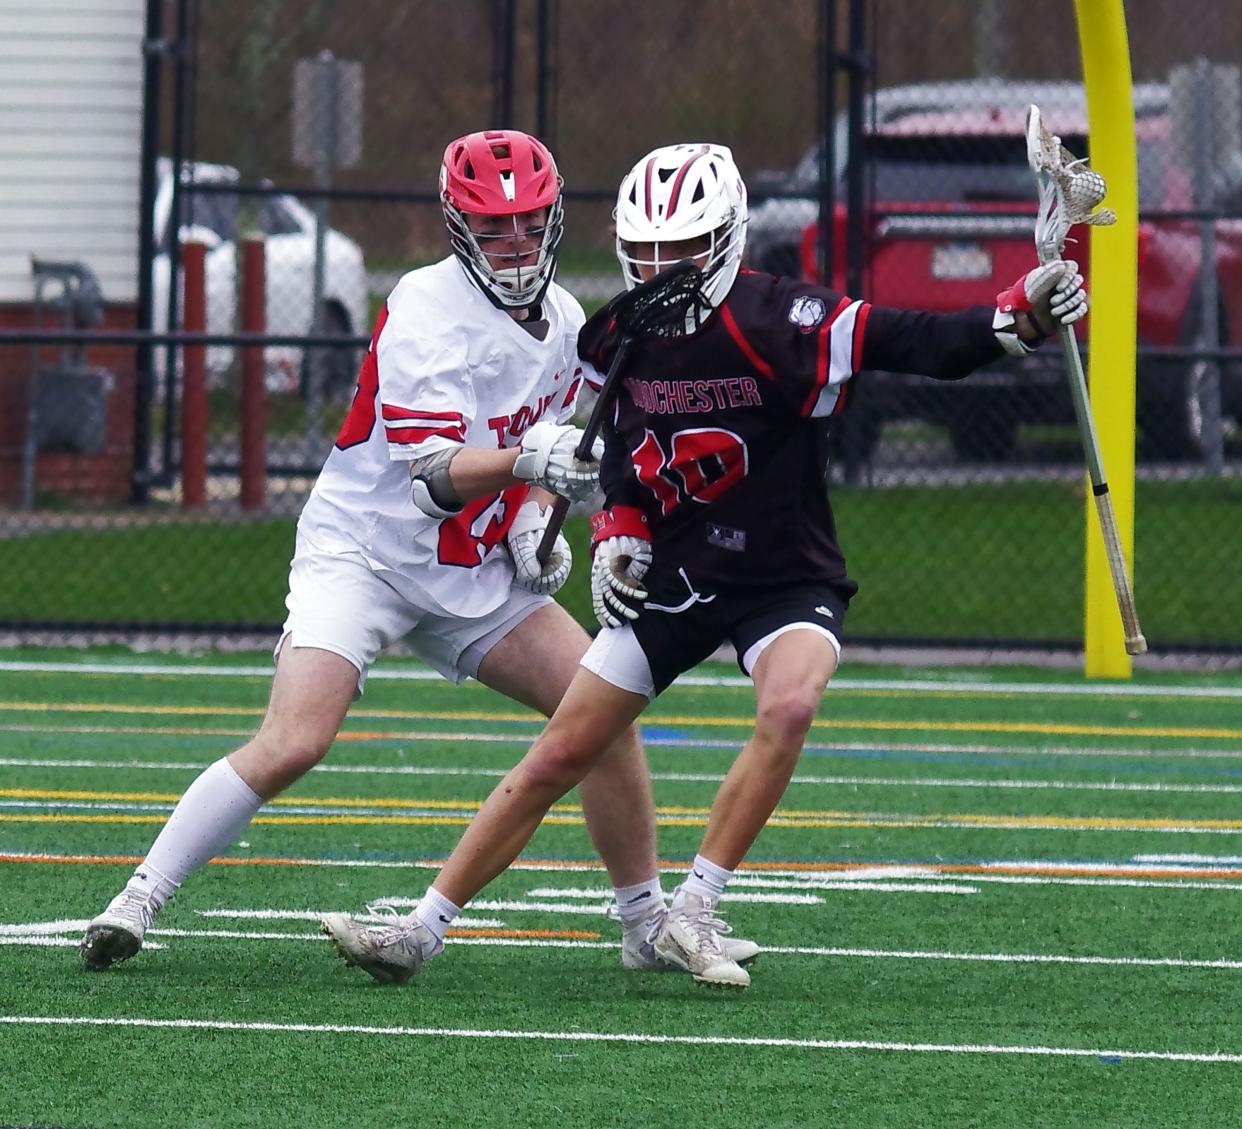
445	369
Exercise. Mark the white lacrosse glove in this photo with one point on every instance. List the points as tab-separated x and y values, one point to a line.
523	543
621	555
547	460
1052	295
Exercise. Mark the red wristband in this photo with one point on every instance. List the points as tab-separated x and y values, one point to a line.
1014	299
618	521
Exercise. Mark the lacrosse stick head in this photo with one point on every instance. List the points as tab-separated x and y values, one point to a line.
669	304
1069	189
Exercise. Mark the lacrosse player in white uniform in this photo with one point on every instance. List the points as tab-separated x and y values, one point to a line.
424	525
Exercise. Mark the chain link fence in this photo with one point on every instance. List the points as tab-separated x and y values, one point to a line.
320	127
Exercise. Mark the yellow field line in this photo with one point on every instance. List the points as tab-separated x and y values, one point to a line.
779	819
675	816
336	801
694	815
883	725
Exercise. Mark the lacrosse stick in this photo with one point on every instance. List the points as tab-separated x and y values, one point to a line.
1068	191
663	306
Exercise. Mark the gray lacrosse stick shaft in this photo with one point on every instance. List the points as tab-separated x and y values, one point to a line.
1049	248
603	402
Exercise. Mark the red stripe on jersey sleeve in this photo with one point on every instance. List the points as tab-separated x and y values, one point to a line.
392	411
760	365
823	356
860	326
456	432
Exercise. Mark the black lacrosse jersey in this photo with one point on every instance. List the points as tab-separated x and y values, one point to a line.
721	437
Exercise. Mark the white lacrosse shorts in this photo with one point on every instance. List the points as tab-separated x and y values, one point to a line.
338	603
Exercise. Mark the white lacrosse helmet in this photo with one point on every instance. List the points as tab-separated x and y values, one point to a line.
682	192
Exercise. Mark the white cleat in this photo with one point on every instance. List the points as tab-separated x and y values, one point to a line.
692	939
116	934
638	943
392	952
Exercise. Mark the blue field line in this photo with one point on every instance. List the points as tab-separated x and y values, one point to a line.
984	760
657	737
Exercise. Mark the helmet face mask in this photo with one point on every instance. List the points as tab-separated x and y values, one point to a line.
501	197
684	201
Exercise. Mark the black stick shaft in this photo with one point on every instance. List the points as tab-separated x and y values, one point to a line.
603	404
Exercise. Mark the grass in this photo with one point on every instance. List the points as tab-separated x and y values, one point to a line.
971	562
959	922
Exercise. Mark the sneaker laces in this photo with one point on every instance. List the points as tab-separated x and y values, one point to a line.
136	903
707	927
394	928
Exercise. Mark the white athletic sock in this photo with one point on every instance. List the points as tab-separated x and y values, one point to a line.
436	912
155	887
705	880
214	810
635	903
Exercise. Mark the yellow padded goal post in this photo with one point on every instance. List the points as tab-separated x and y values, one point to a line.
1106	72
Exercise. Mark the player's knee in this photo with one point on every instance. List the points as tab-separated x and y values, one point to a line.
283	755
785	718
558	762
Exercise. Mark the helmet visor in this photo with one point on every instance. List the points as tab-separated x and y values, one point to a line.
512	257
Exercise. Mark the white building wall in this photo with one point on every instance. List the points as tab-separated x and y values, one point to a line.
70	140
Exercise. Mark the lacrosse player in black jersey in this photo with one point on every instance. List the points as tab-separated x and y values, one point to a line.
717	525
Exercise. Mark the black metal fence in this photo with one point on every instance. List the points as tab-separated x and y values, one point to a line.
321	126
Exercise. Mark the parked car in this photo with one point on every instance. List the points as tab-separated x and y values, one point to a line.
953	203
289	227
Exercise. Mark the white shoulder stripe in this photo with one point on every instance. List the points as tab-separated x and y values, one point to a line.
840	358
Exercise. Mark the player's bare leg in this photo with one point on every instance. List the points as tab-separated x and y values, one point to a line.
534	664
311	692
790	677
592	715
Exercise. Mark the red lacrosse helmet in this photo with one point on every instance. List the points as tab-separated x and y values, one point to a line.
502	173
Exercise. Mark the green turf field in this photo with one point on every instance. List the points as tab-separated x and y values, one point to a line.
1000	561
997	898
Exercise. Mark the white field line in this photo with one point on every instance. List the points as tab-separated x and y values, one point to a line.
684	777
38	933
1211	860
57	942
494	904
318	915
961	686
616	1037
855	880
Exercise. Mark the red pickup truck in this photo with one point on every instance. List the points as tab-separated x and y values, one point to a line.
953	205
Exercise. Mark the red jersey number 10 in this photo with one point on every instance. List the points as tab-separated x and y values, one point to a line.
700	465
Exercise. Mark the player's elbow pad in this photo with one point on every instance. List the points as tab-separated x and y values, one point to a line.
432	488
421	493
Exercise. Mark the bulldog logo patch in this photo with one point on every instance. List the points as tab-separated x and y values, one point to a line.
807	312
